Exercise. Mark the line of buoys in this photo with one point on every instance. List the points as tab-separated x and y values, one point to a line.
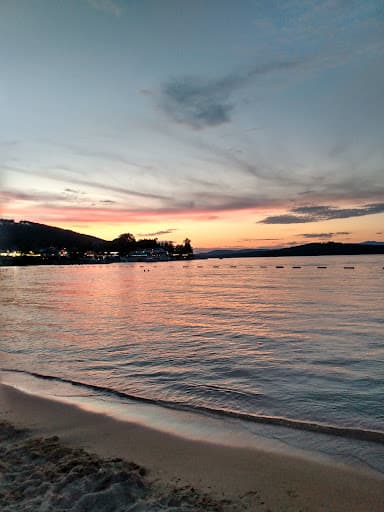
349	267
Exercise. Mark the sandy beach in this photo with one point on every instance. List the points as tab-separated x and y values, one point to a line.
56	456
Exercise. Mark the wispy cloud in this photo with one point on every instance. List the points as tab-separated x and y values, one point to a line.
189	202
101	214
304	214
72	191
88	183
104	155
258	239
68	198
233	163
9	195
9	143
325	236
109	6
200	103
159	233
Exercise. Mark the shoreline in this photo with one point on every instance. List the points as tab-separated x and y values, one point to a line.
248	478
345	432
302	251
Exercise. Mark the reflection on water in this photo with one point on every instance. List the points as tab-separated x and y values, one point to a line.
240	335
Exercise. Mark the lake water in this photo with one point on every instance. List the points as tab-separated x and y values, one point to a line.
226	348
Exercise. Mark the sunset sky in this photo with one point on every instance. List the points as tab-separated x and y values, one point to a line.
254	123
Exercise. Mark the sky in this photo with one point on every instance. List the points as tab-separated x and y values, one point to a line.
256	123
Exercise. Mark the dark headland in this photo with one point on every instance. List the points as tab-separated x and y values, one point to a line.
311	249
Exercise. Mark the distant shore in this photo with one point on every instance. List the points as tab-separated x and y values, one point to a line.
167	473
28	261
315	249
311	249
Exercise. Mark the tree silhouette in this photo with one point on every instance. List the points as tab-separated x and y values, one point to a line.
147	243
184	250
188	247
124	243
167	246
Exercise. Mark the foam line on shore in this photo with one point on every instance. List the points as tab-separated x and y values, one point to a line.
252	479
360	434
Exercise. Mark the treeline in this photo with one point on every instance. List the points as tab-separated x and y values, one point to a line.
126	243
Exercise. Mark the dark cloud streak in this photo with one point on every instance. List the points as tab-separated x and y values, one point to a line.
159	233
16	195
201	103
326	236
304	214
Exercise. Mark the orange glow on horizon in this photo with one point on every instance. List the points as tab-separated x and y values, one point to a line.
207	229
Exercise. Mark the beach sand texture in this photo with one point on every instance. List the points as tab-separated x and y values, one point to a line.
58	457
42	474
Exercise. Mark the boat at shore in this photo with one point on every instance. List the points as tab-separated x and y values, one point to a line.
147	256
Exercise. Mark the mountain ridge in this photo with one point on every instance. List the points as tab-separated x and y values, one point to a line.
310	249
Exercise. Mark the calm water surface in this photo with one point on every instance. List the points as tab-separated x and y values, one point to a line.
220	336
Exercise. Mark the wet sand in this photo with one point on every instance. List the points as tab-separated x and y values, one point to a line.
56	456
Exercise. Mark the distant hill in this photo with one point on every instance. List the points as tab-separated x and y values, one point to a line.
311	249
327	249
232	253
31	236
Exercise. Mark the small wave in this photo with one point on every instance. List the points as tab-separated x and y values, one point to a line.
374	436
223	390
